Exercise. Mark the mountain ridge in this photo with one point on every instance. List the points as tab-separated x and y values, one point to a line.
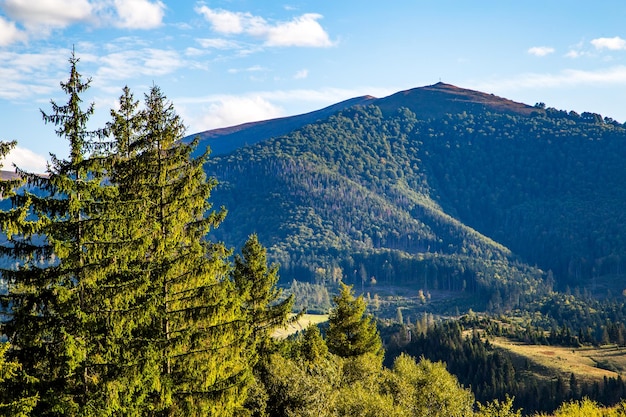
426	102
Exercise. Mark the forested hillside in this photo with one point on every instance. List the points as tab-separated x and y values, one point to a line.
505	200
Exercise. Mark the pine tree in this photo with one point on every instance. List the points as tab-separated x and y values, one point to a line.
197	329
350	333
129	374
49	291
256	284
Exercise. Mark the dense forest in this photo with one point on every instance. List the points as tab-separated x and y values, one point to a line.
501	204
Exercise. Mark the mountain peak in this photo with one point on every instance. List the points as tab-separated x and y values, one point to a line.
435	100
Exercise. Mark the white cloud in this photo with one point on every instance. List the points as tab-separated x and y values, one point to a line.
40	17
300	31
234	110
216	43
9	33
24	159
194	52
137	63
613	44
42	14
215	111
224	21
567	78
540	50
254	68
139	14
574	54
25	75
302	74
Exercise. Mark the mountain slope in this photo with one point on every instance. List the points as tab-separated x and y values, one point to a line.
225	140
464	195
432	101
350	198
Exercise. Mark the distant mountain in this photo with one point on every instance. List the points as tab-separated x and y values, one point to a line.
427	102
436	188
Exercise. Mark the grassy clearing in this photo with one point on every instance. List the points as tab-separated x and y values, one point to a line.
589	364
301	324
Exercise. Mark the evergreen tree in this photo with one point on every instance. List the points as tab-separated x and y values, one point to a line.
197	330
256	284
50	289
350	333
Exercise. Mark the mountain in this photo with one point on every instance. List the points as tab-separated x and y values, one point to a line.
436	100
228	139
436	188
428	102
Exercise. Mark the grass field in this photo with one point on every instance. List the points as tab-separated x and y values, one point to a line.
589	364
300	324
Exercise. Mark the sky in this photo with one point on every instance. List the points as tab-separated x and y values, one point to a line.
227	62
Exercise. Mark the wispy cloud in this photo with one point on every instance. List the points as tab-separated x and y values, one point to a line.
217	43
540	50
574	53
613	44
302	74
567	78
254	68
25	75
303	31
131	64
24	159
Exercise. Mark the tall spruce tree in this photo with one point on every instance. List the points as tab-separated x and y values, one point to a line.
196	329
129	374
49	319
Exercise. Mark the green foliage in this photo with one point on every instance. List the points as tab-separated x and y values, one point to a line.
256	285
583	408
350	333
11	377
52	283
497	408
456	201
426	388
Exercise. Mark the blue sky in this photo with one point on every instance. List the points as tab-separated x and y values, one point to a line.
228	62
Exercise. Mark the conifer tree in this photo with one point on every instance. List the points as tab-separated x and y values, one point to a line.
129	373
256	284
196	330
350	332
49	291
